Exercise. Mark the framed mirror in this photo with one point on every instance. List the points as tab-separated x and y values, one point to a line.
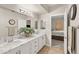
36	24
28	23
42	24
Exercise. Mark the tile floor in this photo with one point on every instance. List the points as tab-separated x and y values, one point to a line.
57	48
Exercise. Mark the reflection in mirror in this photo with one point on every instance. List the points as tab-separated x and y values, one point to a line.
36	24
28	24
42	24
21	23
10	22
57	23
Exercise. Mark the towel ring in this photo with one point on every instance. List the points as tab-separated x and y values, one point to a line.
73	12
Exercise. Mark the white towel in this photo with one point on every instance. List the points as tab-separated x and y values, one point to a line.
69	39
71	42
11	31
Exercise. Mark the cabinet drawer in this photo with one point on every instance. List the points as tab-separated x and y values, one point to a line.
34	44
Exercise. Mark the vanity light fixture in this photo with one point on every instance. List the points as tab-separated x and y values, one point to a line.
27	12
22	11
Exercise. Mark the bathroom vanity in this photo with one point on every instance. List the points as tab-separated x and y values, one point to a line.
25	45
58	35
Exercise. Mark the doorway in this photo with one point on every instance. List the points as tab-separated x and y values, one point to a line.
57	33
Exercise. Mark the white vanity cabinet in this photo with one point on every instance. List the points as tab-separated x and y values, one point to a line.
14	51
22	49
34	46
41	42
26	48
37	44
44	40
31	47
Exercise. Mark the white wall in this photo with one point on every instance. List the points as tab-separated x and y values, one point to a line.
47	18
5	16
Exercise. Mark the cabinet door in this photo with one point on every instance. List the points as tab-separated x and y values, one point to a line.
34	47
41	41
14	51
26	48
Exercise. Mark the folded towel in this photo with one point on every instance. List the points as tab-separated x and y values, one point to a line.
71	39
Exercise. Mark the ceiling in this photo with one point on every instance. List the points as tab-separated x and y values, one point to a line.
36	8
52	7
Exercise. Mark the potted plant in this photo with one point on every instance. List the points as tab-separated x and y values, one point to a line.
26	31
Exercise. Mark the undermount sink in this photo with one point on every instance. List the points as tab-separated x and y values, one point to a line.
23	37
2	44
6	40
11	43
14	40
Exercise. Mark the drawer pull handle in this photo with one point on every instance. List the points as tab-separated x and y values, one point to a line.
35	45
35	41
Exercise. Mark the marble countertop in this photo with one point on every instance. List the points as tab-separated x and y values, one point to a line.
5	47
58	33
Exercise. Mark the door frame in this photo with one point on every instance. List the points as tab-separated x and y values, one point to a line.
64	27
